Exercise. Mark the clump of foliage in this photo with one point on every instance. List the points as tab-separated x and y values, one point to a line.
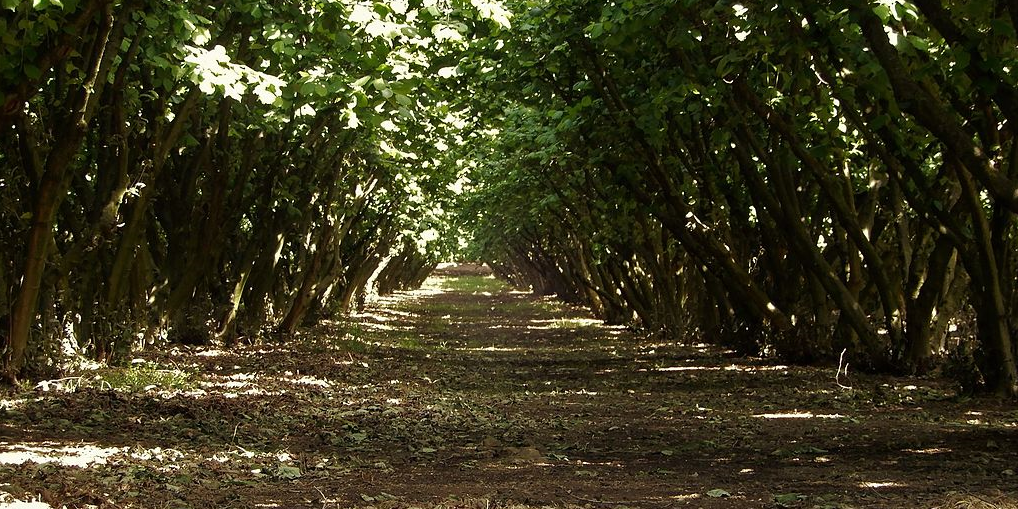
802	178
204	172
143	377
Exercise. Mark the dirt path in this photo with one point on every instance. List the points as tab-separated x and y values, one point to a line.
467	395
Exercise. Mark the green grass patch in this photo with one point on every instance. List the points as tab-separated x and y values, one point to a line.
351	345
457	309
473	284
410	343
144	377
573	323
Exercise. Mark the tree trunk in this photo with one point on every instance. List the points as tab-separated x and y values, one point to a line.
50	194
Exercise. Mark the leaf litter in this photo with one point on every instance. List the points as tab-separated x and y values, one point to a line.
468	395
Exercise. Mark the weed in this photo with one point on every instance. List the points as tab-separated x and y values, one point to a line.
354	346
142	377
574	323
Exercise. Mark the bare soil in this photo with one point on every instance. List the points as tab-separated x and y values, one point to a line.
465	394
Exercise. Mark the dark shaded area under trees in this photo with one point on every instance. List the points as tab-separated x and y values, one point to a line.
804	179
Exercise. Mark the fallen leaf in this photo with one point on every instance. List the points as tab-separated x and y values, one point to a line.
718	493
287	472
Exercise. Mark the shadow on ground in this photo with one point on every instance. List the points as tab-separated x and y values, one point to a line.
466	394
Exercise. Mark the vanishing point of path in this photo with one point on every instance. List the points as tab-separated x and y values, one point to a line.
465	394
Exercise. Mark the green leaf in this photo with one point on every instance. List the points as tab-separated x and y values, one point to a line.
1001	28
32	72
718	493
161	62
880	121
918	43
962	58
788	499
11	4
362	81
40	4
288	472
595	30
883	11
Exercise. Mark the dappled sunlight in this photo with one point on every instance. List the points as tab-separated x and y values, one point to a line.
83	455
736	367
881	484
479	254
932	450
405	397
686	497
731	367
489	349
566	323
796	414
261	384
386	315
382	327
14	404
278	463
8	502
575	323
578	392
213	353
312	381
685	368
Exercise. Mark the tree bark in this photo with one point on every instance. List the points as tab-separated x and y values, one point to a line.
50	195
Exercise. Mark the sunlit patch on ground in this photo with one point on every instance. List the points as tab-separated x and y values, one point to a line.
12	404
564	323
881	484
84	455
9	502
687	368
932	450
736	367
798	415
429	397
490	349
212	353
